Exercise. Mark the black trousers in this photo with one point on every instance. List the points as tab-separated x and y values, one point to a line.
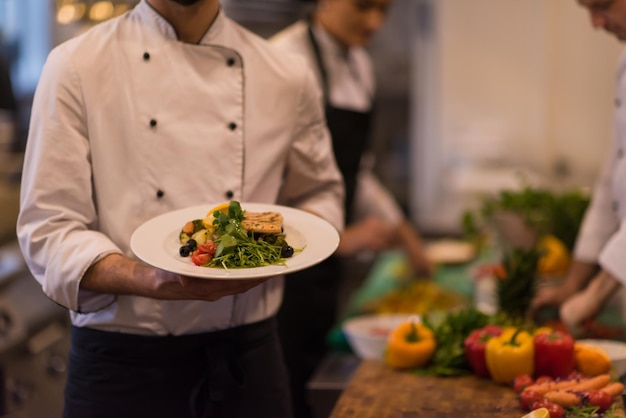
235	373
307	314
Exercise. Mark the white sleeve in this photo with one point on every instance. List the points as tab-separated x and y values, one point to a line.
600	221
57	220
373	199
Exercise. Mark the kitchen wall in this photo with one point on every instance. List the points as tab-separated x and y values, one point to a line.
504	93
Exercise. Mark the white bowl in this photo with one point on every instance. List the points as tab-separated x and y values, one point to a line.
615	349
368	334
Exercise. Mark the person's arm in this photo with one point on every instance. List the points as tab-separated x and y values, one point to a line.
579	274
410	241
368	235
373	200
117	274
598	225
589	302
312	180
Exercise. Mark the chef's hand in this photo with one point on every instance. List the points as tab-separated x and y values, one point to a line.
579	274
119	275
587	303
409	240
370	234
176	287
550	296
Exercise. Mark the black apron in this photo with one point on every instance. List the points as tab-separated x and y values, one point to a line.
236	372
309	308
349	129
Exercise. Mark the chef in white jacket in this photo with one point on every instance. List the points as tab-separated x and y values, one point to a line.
332	41
169	106
599	267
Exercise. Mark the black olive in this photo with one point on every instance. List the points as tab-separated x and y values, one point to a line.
184	251
192	244
286	251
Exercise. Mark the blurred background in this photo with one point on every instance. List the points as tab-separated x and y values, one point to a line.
474	97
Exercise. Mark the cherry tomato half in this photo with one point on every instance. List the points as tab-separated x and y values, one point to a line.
199	258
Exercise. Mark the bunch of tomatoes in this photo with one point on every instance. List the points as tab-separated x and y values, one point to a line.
531	400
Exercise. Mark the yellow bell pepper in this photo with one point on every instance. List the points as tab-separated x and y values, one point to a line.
410	345
509	355
556	258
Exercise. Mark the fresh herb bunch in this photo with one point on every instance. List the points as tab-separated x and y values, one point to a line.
236	248
543	211
451	329
518	286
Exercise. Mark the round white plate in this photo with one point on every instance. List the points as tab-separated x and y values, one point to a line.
449	251
156	242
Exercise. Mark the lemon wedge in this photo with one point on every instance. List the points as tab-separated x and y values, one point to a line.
208	219
220	208
538	413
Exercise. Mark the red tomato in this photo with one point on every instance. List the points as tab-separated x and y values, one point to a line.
522	382
600	399
199	258
204	253
209	248
543	379
528	397
555	411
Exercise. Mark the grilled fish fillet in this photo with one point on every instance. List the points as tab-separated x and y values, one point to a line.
263	222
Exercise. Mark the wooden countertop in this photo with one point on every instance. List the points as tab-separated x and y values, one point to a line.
377	391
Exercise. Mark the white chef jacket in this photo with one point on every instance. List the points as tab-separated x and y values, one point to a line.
129	123
351	85
602	236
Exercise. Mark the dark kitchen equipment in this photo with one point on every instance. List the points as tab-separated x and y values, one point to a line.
34	342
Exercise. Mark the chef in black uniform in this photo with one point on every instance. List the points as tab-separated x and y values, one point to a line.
332	40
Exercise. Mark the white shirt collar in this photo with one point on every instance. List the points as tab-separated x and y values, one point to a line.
156	21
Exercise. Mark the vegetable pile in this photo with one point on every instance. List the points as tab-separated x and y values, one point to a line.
547	367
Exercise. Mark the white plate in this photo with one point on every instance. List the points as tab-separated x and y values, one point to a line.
156	242
448	251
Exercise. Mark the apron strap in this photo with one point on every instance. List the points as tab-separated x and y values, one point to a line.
320	61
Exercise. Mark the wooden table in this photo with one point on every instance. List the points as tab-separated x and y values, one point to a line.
377	391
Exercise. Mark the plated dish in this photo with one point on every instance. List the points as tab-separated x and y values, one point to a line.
156	242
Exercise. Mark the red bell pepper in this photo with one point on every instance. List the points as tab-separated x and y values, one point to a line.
475	344
554	354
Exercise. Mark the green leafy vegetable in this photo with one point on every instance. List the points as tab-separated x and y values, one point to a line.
451	329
